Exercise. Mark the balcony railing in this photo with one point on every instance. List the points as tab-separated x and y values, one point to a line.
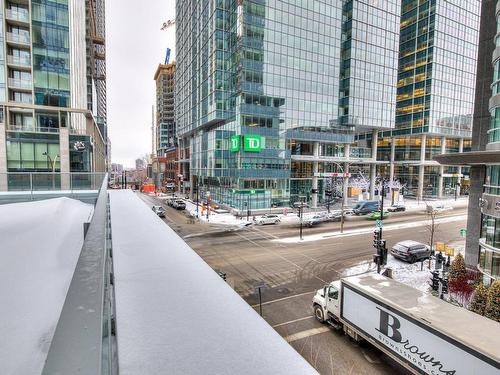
18	60
37	183
20	83
17	15
18	38
31	129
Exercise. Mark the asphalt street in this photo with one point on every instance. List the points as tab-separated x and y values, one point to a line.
292	272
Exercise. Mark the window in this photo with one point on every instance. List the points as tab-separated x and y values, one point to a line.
333	293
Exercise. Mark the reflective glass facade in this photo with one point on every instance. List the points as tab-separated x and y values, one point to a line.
51	71
437	66
291	73
369	63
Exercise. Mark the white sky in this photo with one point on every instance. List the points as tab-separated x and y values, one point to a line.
135	46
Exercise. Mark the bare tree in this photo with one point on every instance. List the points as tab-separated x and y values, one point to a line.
432	227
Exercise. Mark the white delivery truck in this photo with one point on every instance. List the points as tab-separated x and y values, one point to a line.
421	332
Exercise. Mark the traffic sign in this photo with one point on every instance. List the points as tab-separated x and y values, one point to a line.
379	224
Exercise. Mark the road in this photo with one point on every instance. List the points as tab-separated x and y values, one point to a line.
292	272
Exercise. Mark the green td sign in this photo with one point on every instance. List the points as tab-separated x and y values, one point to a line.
235	143
252	143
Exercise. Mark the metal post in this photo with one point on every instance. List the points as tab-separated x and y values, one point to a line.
342	207
248	207
382	207
125	179
301	210
197	196
31	185
260	301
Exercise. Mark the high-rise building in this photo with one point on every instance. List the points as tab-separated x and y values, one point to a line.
269	94
483	225
96	63
52	86
165	124
435	96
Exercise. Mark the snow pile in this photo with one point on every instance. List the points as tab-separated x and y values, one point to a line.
406	273
40	245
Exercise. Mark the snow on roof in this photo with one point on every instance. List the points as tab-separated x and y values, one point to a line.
175	315
39	247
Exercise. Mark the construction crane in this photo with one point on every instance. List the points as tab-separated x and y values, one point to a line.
165	26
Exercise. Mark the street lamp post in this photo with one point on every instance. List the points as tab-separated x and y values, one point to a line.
53	165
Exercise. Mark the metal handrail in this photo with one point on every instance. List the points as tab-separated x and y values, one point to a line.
82	340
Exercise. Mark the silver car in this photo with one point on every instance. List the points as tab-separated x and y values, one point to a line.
411	251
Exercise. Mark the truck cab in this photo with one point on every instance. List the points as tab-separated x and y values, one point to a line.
326	304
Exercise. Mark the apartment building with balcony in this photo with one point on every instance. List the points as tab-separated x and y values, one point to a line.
48	112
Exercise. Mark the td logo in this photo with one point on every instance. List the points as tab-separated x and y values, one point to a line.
252	143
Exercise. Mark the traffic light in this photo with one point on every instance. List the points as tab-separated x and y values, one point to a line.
376	239
435	280
376	258
383	251
445	286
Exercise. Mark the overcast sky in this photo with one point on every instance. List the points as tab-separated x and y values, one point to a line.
135	46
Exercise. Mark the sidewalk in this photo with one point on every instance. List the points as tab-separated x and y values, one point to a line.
226	218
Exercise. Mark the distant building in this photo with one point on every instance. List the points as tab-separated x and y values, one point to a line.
165	132
140	164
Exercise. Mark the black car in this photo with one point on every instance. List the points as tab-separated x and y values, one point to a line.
396	208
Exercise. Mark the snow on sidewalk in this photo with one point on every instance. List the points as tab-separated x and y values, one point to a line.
356	232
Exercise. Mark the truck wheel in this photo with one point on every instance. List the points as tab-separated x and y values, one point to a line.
318	313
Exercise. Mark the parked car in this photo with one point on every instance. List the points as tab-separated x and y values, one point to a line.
267	219
159	210
314	220
170	185
365	207
411	251
179	204
396	208
376	215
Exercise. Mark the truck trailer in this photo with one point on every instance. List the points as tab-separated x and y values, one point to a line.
418	330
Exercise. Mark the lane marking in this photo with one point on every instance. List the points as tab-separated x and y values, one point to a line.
293	321
307	333
284	298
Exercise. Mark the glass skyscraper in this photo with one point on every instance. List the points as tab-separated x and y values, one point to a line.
268	93
435	96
